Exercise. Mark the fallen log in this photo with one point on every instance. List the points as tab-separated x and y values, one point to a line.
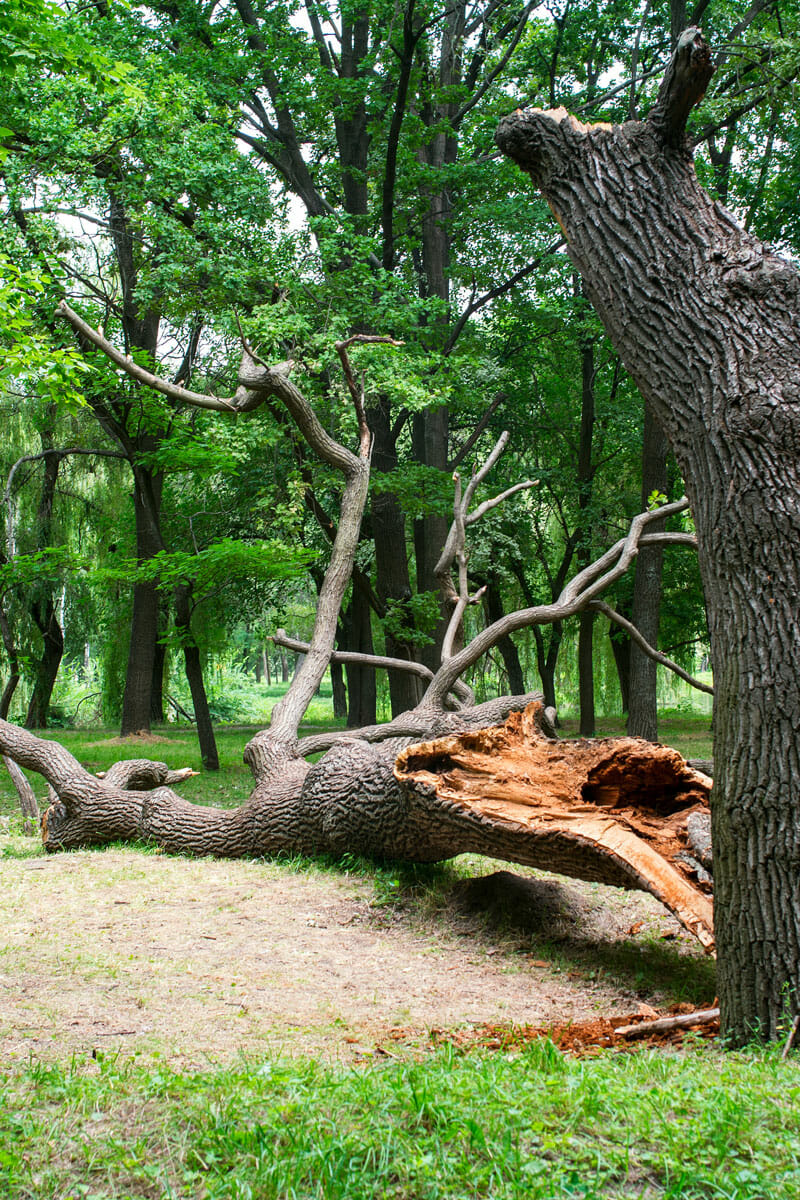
610	810
703	1016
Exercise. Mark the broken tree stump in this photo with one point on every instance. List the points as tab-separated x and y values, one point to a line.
612	810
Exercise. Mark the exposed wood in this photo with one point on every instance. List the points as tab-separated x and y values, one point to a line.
703	1016
612	810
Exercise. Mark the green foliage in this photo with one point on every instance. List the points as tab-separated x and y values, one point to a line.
413	619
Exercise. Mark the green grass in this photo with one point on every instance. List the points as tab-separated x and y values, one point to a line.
699	1125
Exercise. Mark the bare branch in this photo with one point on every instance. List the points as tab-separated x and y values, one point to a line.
583	588
173	390
488	505
378	661
645	647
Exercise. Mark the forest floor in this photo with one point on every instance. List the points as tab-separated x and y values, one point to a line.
198	961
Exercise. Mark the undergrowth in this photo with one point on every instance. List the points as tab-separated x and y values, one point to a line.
696	1125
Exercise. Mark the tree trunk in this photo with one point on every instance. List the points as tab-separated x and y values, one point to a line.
361	685
391	557
41	600
705	319
493	603
159	666
643	698
586	673
137	696
547	658
585	482
614	811
46	668
194	677
339	692
430	440
621	649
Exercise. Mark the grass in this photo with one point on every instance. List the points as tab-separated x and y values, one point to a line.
699	1125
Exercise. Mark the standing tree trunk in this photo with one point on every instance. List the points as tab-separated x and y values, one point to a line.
41	600
583	554
45	615
643	699
361	689
706	320
493	603
194	677
137	697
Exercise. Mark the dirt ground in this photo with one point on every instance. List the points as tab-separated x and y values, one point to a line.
199	961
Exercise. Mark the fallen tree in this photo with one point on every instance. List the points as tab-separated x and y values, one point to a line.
442	779
706	320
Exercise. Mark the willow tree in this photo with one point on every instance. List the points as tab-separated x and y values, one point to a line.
706	319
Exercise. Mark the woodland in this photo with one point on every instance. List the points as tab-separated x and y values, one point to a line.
446	354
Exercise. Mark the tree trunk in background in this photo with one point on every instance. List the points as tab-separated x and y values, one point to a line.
194	677
429	441
621	649
45	615
586	673
159	665
643	699
391	558
584	550
361	683
339	692
493	604
40	600
12	654
705	319
137	697
547	658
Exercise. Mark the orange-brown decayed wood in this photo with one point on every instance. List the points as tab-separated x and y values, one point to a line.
613	808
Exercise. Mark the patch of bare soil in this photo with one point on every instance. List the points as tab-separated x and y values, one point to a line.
203	960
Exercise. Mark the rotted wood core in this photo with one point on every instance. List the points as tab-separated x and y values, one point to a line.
612	810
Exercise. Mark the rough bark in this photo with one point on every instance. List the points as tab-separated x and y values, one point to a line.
137	696
613	811
706	320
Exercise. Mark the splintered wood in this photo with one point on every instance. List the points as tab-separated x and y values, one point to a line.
612	810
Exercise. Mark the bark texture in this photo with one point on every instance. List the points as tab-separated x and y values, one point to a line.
614	811
707	321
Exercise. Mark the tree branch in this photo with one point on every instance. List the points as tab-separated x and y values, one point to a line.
644	645
684	85
583	588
